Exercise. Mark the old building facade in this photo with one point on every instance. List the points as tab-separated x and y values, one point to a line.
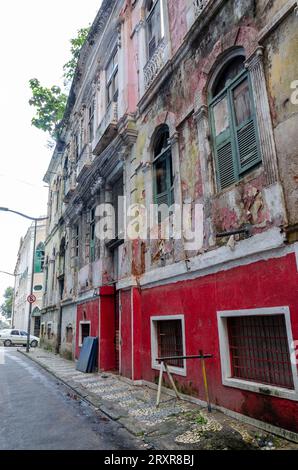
23	274
190	104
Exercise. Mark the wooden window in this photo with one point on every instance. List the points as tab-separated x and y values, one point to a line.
169	340
162	168
39	258
112	79
259	350
154	29
233	123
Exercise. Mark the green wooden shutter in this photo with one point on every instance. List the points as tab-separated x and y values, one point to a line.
224	148
246	136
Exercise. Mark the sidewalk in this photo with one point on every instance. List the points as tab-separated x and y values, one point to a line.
175	425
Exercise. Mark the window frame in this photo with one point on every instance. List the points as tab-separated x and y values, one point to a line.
39	261
83	322
161	35
225	358
110	80
154	343
227	92
165	154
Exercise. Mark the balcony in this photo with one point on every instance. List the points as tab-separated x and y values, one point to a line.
69	186
107	129
84	162
155	64
199	6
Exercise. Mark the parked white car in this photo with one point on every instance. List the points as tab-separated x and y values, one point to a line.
11	337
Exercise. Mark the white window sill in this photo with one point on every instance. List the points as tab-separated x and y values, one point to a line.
172	369
264	389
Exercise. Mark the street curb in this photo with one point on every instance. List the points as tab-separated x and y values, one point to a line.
279	432
101	408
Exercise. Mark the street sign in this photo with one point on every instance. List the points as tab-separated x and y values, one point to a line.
31	299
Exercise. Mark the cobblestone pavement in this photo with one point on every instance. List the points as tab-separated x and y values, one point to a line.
176	424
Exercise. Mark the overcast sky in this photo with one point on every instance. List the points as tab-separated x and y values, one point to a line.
34	43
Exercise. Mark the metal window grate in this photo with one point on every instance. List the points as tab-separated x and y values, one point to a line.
259	350
169	334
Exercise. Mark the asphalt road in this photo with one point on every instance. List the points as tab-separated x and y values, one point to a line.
38	412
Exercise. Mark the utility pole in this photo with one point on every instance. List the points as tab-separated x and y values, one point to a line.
35	220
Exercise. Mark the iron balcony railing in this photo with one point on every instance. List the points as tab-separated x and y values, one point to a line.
155	64
199	6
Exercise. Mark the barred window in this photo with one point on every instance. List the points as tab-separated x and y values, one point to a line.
169	340
259	350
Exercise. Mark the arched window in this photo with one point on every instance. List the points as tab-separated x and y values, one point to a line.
39	258
162	168
233	123
155	25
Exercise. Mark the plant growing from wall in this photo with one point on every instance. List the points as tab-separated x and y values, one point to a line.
50	103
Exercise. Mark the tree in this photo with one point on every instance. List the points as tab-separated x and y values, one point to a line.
76	46
50	103
50	106
6	307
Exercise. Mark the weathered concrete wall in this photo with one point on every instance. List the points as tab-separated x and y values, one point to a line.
68	321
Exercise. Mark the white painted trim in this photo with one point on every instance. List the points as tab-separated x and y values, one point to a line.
83	322
260	247
154	346
225	353
296	254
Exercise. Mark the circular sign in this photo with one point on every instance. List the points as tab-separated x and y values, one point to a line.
31	299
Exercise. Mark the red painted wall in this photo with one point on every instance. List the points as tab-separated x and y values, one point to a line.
88	311
269	283
126	345
107	352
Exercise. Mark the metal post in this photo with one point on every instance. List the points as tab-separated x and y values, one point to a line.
31	288
205	381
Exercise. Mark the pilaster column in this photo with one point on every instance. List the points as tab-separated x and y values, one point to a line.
267	145
174	142
201	118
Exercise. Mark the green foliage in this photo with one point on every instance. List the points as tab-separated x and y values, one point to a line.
50	106
50	103
6	307
76	46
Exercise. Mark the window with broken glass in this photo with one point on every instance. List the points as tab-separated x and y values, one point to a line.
233	124
154	26
162	169
112	78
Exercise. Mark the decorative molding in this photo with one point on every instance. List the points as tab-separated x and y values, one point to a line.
291	5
